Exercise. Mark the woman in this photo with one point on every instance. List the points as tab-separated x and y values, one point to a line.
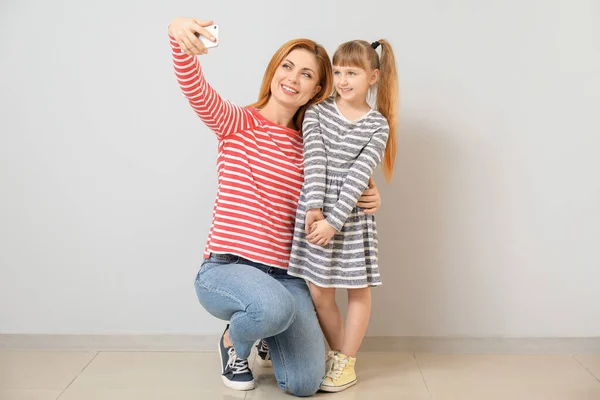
243	278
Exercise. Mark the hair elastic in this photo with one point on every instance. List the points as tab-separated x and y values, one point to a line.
375	44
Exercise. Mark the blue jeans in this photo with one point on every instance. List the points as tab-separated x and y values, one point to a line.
265	302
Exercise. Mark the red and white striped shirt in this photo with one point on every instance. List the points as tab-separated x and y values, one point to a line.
259	170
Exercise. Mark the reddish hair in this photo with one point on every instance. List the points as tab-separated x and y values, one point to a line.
324	75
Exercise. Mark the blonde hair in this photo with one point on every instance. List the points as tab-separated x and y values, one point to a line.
324	75
360	53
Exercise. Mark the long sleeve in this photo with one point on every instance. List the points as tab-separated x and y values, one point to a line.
315	160
357	179
221	116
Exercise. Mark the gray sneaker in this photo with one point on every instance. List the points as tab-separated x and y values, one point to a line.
235	372
264	356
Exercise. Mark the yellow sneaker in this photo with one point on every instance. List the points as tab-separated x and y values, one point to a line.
329	360
341	375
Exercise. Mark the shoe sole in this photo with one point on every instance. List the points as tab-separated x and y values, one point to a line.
241	386
335	389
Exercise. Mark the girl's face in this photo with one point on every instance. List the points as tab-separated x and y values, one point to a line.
296	79
353	83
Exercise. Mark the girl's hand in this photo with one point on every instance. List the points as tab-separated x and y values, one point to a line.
184	31
370	201
312	216
322	233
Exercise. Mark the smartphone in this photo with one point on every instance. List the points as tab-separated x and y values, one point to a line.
214	30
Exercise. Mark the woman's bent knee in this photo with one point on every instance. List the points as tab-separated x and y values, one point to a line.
303	384
276	310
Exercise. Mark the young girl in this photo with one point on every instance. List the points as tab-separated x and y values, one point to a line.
335	243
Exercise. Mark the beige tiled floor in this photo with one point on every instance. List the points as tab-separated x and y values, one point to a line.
38	375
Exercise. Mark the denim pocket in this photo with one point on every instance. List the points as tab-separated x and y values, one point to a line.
218	259
223	258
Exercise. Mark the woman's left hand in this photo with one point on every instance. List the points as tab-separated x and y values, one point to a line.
370	201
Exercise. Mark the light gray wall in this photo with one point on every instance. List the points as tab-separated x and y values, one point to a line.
489	227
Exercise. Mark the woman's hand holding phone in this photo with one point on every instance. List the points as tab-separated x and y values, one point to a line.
186	31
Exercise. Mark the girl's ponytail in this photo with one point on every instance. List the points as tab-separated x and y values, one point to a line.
387	102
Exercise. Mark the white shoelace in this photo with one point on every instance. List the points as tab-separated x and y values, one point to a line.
262	347
337	367
237	365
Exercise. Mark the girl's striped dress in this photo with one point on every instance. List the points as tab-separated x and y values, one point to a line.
339	157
